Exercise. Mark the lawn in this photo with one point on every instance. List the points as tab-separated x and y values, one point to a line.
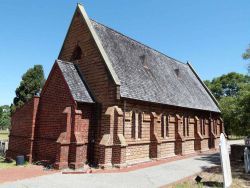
10	164
4	135
234	137
4	164
213	178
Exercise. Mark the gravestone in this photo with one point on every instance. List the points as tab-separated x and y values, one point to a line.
247	160
225	161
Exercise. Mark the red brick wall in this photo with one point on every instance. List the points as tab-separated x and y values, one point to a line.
89	113
139	149
51	122
137	152
91	64
22	130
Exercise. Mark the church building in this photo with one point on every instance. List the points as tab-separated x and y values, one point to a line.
112	101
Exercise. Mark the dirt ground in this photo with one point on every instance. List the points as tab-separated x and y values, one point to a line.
213	178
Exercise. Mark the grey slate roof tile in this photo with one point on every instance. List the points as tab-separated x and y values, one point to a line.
75	82
149	75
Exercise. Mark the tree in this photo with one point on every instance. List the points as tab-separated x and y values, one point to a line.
228	107
233	93
227	84
244	109
1	112
4	117
30	85
246	56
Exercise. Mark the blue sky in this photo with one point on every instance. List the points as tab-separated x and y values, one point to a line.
212	35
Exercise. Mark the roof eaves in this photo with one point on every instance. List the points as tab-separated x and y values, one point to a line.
165	104
68	86
91	94
64	80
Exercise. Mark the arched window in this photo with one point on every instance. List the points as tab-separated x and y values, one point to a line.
202	126
215	127
133	125
185	126
77	54
164	126
136	125
140	125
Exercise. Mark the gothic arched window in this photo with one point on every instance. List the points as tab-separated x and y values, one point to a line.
77	54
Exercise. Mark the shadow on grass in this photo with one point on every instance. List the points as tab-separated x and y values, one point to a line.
5	163
211	158
237	168
212	184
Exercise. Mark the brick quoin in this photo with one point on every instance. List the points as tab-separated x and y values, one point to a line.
112	131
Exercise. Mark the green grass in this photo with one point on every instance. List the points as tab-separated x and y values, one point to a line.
4	135
10	164
4	164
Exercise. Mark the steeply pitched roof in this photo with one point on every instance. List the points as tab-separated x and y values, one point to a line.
148	75
75	82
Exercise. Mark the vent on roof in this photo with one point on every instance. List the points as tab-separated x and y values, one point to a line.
143	60
177	72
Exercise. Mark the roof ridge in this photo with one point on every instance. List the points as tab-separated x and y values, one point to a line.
118	32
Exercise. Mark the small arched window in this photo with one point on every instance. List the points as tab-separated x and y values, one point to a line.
164	125
133	125
185	126
77	54
136	125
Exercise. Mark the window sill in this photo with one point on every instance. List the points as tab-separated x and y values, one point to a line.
167	139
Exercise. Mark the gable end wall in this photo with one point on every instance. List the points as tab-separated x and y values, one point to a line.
95	73
51	121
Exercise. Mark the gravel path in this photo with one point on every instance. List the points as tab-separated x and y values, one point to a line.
155	176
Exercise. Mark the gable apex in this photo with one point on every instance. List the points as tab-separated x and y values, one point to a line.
83	14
